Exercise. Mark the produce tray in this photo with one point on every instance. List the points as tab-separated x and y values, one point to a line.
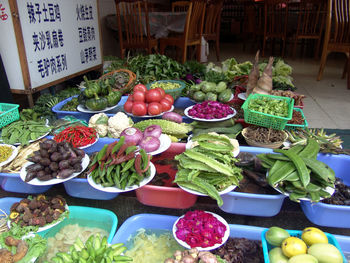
176	93
296	233
267	120
327	214
166	196
81	115
159	223
8	113
11	182
252	204
87	217
297	126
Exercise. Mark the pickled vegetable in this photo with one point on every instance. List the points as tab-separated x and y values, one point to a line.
5	153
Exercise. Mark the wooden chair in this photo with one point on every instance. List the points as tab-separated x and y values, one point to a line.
179	6
275	22
133	26
211	31
311	21
193	31
337	34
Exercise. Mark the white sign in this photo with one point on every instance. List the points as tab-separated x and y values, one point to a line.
61	37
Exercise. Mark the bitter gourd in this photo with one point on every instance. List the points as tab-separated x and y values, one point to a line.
168	127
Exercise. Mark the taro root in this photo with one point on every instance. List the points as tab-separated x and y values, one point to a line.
64	164
77	167
54	166
45	161
34	159
56	157
47	177
65	173
54	174
40	173
73	161
34	167
44	153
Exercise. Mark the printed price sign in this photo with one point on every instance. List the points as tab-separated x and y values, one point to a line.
61	38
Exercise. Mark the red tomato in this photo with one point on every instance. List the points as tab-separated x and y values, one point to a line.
130	98
162	92
166	105
154	108
139	108
140	87
153	95
128	106
138	96
169	98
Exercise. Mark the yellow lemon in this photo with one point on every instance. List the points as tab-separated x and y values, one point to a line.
313	235
293	246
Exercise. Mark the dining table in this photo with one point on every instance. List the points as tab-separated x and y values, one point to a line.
161	23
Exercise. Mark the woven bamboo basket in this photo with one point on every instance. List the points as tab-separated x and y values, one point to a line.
127	87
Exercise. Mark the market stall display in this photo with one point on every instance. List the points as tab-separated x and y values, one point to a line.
7	153
196	157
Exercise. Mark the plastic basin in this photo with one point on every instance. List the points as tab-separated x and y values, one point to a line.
252	204
296	233
87	217
168	197
7	202
13	183
82	115
326	214
79	187
158	223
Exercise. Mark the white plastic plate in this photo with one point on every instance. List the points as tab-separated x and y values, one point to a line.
209	120
242	96
36	181
224	239
114	189
12	156
86	146
82	108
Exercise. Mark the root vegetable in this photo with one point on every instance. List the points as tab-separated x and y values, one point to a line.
172	116
153	130
150	143
45	162
65	173
54	166
64	164
56	157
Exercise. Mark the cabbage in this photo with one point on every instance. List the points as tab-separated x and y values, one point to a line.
281	69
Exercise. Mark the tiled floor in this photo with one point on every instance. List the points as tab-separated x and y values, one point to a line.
327	102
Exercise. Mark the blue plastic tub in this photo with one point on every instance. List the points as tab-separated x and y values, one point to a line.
79	187
160	223
87	217
82	115
7	202
13	183
296	233
252	204
326	214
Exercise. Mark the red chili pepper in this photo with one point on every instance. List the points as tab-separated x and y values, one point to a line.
78	136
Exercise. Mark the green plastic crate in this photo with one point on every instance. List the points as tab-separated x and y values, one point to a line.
175	93
264	119
9	113
291	127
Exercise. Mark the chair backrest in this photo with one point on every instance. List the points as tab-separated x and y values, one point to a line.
276	17
132	18
179	6
311	17
213	17
341	21
196	23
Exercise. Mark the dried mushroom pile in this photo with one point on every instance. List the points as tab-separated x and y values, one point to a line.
38	211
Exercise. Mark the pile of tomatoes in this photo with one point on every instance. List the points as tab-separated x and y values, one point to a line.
148	102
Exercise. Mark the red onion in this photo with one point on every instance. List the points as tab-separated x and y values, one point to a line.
153	130
132	134
172	116
149	143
